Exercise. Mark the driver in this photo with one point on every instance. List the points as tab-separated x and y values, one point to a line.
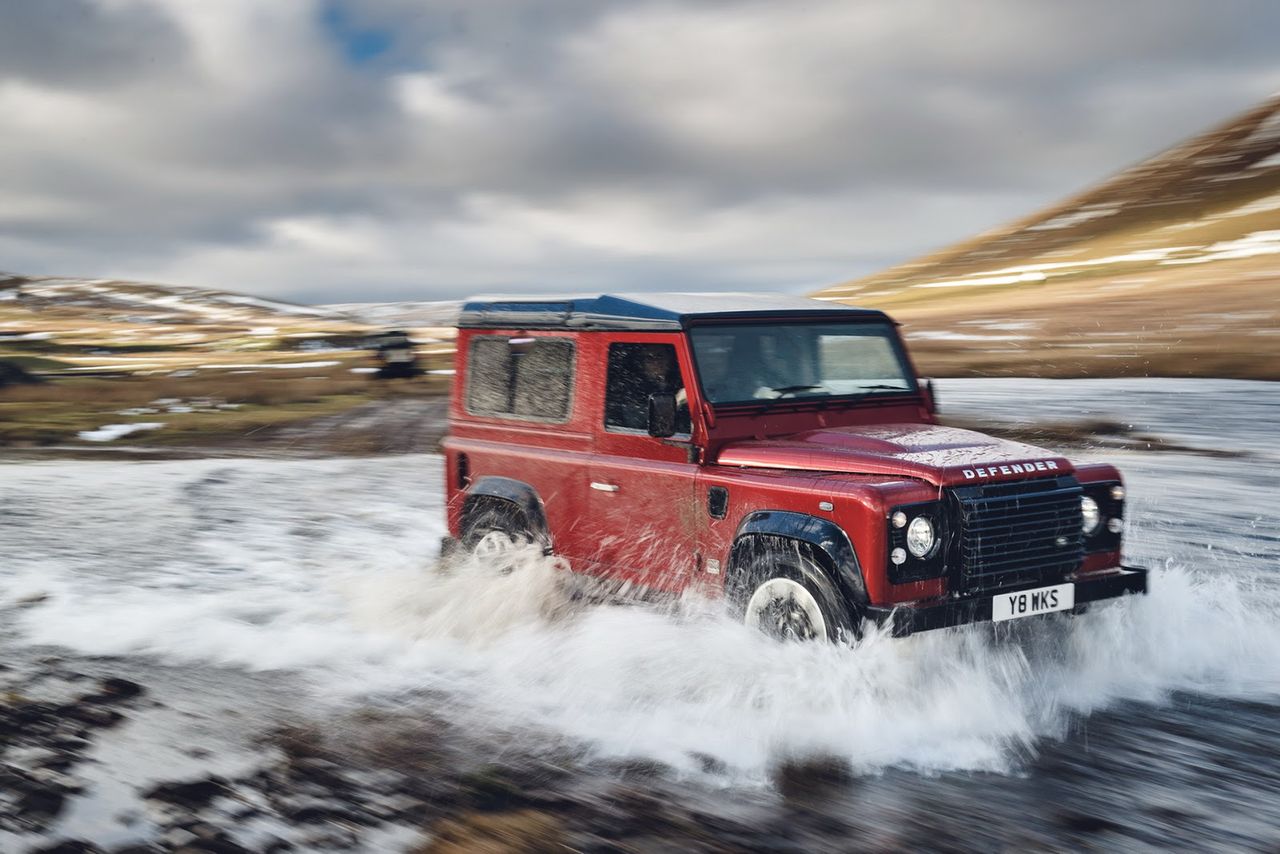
652	370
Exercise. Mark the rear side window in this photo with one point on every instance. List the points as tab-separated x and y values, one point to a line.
530	378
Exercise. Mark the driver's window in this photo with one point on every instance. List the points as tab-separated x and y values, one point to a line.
635	372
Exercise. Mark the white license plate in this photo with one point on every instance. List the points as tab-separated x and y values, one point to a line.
1027	603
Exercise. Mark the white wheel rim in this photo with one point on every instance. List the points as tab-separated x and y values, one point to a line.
782	596
494	544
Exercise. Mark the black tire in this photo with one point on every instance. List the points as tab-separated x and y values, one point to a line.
786	594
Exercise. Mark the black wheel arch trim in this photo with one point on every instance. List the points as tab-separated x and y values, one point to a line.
515	492
823	534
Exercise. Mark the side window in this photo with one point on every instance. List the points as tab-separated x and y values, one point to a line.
635	372
530	378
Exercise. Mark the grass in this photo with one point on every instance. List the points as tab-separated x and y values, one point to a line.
54	412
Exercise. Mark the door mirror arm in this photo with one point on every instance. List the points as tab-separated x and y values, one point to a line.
930	395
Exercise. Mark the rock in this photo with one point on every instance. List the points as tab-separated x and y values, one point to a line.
36	757
331	837
69	846
12	373
392	806
312	810
40	804
1085	823
120	689
178	837
192	793
92	715
50	779
809	777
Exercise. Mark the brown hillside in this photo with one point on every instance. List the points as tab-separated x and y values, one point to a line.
1171	267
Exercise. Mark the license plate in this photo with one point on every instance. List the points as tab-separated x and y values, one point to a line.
1028	603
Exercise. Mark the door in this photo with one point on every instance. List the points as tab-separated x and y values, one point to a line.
641	493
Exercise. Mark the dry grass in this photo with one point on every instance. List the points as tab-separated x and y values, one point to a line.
55	411
517	832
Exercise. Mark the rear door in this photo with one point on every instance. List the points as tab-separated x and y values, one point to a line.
640	501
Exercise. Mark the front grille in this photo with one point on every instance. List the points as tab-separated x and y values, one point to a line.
1017	533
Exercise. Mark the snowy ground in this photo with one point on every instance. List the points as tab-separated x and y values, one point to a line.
247	594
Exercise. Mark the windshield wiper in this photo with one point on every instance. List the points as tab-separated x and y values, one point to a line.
792	389
822	401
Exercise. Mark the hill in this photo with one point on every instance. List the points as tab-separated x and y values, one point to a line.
1171	267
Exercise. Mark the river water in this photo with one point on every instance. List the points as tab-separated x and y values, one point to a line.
1148	723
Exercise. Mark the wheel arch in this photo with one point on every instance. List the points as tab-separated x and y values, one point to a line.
519	496
826	542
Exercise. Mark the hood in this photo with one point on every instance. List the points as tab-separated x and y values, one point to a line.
944	456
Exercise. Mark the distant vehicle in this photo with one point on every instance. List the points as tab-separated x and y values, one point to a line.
778	451
396	356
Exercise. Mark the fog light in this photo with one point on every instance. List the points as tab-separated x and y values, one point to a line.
1089	515
898	556
1115	526
1117	493
920	536
899	519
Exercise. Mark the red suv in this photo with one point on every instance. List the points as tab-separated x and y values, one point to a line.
776	450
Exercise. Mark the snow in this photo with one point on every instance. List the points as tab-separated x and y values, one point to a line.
1076	217
111	432
1267	162
1267	130
1251	245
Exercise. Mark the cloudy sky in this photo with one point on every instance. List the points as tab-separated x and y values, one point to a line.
411	149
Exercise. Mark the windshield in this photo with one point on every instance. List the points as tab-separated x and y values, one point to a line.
750	363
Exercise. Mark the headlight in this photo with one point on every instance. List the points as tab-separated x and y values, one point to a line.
1090	515
920	536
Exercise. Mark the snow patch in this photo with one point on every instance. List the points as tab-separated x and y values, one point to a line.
111	432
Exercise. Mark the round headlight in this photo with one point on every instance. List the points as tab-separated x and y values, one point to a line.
920	536
898	556
899	519
1089	515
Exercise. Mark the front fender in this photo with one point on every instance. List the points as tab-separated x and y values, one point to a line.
823	534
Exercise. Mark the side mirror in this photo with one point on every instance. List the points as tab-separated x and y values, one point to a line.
662	415
930	394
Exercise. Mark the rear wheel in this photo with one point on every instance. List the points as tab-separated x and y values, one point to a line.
788	597
495	530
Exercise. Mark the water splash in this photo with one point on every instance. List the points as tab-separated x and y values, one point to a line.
350	607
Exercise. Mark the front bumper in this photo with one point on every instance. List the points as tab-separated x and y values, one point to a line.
905	620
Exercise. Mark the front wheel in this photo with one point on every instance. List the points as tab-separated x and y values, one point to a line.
790	598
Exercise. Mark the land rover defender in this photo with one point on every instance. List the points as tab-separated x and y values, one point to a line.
777	451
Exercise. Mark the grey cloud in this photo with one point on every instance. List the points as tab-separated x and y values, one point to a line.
81	43
514	145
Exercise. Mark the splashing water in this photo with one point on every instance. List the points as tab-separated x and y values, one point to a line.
321	568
